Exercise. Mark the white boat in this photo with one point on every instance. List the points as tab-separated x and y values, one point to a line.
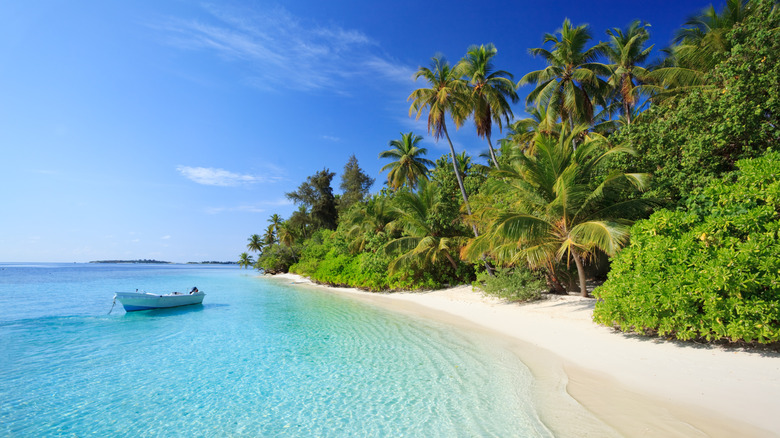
133	301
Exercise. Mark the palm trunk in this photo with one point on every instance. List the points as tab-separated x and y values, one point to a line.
581	272
463	193
452	261
627	112
626	97
492	152
458	175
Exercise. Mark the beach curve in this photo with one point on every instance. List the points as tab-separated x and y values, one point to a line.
637	386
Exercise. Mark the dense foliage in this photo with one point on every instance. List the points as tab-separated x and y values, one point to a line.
711	271
559	193
697	136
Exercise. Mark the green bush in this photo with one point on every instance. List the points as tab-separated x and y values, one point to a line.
709	272
326	258
698	136
277	259
512	284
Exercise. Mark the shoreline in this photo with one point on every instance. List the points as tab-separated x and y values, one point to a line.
638	386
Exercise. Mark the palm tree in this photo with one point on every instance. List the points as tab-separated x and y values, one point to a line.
551	210
269	237
300	224
464	162
255	243
698	48
570	85
373	217
703	36
245	260
489	91
626	51
409	166
447	95
286	236
276	222
420	240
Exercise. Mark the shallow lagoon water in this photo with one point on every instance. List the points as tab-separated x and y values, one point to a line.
258	358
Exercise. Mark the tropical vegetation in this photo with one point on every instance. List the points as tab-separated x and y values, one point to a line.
651	171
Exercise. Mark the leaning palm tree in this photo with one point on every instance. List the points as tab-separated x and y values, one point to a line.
626	51
490	91
447	95
421	242
245	260
409	167
570	85
255	243
551	210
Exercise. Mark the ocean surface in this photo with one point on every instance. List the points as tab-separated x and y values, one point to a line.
260	357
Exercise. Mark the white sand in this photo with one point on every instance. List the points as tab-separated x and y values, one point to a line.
639	386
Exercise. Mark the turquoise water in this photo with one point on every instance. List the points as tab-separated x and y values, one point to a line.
258	358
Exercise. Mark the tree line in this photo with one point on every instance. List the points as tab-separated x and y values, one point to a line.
613	143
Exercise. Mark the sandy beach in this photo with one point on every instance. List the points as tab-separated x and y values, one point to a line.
595	381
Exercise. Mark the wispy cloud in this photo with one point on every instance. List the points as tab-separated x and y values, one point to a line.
285	51
210	176
331	138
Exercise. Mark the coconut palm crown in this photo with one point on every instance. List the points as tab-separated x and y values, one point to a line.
421	241
409	166
447	94
626	51
545	207
490	91
570	84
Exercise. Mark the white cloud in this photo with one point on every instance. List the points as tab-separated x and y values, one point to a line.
210	176
284	51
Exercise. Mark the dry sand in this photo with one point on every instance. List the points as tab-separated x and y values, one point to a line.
635	386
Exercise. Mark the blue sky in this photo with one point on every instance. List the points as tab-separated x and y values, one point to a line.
171	130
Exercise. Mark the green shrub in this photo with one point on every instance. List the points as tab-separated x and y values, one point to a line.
709	272
512	284
326	258
698	136
276	258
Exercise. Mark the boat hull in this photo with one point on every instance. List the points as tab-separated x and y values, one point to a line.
134	301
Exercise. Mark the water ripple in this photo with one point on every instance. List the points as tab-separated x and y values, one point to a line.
257	359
